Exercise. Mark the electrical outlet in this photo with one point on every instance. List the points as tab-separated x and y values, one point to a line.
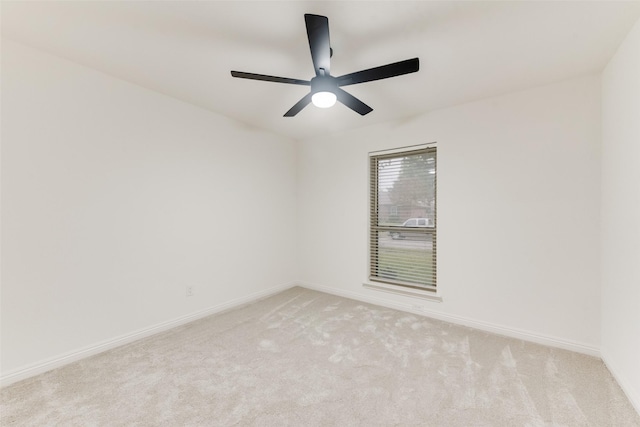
189	291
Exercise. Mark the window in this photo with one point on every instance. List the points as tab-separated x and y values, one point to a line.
403	240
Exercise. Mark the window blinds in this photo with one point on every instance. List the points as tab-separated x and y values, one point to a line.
403	218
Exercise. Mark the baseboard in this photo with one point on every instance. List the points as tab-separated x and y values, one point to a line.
632	395
75	355
465	321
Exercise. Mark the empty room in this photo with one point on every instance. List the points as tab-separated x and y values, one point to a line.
352	213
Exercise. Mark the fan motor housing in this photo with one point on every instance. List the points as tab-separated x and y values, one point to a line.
324	84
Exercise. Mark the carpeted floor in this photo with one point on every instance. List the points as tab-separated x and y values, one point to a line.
305	358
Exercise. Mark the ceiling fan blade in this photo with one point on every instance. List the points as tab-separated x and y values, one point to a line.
382	72
352	102
318	34
299	106
266	78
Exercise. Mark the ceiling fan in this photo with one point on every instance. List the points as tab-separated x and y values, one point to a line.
326	89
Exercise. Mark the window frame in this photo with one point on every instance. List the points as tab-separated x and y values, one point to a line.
427	291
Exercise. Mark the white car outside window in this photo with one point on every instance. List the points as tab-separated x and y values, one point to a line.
418	222
412	222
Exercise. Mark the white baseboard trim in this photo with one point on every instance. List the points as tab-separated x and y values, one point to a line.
90	350
632	395
465	321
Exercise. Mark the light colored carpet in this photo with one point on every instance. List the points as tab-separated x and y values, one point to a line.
305	358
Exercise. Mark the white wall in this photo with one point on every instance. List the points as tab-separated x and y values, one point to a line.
518	211
621	215
115	198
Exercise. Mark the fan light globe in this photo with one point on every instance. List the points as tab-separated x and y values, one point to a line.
324	99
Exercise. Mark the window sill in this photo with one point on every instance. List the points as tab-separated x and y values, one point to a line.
399	290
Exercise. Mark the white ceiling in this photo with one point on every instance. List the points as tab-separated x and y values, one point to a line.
467	50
